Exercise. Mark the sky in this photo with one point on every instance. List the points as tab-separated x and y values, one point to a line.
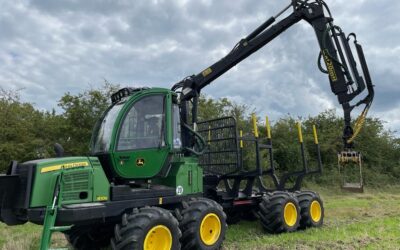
48	48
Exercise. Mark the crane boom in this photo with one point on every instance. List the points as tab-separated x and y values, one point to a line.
345	81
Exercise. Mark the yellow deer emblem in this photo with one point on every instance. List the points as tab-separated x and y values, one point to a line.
140	162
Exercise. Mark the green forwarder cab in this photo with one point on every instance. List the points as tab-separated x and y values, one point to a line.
137	168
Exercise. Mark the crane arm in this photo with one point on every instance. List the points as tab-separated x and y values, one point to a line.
345	81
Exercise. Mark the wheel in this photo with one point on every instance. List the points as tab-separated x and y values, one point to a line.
203	225
150	228
279	212
311	209
90	237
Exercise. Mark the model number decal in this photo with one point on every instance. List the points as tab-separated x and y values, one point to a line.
329	66
64	166
101	198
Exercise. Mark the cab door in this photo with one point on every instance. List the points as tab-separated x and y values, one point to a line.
141	148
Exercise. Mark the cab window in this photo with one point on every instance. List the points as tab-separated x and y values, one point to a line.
143	125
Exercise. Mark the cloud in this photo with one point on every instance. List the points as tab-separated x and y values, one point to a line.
51	47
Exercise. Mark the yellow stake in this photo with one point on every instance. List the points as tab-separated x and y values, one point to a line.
268	127
300	133
241	136
315	134
254	119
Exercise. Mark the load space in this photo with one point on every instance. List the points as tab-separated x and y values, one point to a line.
241	189
158	178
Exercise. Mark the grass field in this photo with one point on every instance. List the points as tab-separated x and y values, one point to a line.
352	221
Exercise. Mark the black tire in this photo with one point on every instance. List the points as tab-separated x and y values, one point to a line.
272	212
194	213
91	237
135	227
311	215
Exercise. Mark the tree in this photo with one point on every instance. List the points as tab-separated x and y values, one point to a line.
20	123
27	133
81	113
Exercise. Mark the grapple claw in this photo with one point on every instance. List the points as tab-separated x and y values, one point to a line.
346	160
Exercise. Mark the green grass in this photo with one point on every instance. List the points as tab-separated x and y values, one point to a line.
352	221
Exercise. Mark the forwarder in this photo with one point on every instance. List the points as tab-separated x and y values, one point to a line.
157	178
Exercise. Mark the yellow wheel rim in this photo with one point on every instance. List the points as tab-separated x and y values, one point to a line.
290	214
210	229
315	211
158	238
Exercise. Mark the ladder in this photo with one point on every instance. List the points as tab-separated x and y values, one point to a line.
51	215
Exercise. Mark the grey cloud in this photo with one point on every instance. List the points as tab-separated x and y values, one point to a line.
50	47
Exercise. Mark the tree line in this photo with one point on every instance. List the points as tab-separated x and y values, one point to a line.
27	133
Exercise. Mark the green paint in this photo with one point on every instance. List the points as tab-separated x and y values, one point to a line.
88	183
125	163
81	184
51	215
101	186
185	175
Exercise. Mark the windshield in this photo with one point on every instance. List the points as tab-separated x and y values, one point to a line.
103	134
143	125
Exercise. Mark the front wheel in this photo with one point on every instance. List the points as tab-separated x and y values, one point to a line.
203	225
150	228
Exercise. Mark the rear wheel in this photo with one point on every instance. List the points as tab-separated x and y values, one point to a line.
203	225
150	228
90	237
279	212
312	209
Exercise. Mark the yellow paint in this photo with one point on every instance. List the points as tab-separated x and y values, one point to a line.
255	128
206	72
102	198
140	162
290	214
241	136
64	166
158	238
51	168
268	127
358	125
300	133
315	211
329	66
315	134
210	229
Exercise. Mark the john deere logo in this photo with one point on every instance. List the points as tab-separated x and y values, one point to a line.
140	162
